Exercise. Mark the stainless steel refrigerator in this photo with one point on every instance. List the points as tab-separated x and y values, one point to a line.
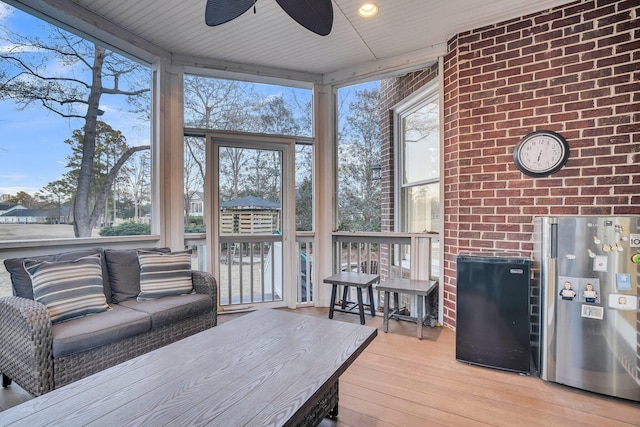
585	298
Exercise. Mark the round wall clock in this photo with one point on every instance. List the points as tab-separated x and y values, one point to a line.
541	153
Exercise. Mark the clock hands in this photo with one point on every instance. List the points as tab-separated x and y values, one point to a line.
552	153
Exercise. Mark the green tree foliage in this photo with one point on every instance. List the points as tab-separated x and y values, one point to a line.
194	224
126	229
304	187
23	198
304	208
56	193
111	152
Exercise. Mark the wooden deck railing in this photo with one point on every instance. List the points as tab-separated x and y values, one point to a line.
406	255
402	255
250	268
387	254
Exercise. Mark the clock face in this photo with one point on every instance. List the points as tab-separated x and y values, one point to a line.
541	153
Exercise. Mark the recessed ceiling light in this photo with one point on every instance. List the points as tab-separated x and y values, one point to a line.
367	10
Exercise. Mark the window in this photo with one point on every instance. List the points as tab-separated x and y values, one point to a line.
358	157
232	105
194	170
304	187
48	189
418	144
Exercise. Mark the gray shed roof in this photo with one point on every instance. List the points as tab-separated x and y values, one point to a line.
250	202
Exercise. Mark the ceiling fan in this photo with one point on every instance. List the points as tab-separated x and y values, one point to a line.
314	15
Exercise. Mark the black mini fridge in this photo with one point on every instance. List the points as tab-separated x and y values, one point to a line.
492	312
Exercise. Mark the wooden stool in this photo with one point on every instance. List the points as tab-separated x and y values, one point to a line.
359	281
420	288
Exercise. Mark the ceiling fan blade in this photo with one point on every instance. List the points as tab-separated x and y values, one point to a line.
314	15
220	11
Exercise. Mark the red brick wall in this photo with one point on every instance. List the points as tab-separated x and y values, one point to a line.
574	70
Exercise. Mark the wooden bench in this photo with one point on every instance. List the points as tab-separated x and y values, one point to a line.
420	288
269	367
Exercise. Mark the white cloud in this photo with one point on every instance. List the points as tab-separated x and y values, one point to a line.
15	190
14	186
5	12
108	109
15	49
272	97
13	177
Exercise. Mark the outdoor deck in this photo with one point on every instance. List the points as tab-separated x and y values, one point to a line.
402	381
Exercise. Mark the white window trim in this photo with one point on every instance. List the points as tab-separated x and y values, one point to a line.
412	103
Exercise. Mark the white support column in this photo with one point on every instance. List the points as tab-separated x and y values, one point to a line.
441	231
168	154
324	174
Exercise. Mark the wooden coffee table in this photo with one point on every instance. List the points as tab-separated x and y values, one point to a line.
269	367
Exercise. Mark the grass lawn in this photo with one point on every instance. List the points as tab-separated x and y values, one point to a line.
37	231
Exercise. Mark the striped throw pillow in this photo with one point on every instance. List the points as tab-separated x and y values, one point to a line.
164	275
68	289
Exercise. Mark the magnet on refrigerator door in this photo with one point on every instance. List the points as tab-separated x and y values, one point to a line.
623	282
592	311
600	263
567	293
623	302
589	294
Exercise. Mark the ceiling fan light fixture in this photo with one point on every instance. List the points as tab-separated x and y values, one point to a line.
367	10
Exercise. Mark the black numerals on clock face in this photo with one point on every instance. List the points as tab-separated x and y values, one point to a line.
541	154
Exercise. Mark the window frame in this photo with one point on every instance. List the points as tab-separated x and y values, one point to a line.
123	49
428	94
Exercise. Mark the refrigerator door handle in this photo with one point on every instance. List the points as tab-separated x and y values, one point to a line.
548	330
554	240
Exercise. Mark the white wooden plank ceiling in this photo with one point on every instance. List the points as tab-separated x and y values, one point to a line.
404	33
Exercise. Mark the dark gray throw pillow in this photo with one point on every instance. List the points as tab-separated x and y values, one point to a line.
124	272
21	282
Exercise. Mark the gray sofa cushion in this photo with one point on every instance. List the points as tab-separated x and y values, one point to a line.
124	272
21	282
171	309
89	332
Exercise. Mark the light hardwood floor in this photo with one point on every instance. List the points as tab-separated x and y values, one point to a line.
402	381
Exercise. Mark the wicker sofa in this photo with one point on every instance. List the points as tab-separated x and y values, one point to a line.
41	355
